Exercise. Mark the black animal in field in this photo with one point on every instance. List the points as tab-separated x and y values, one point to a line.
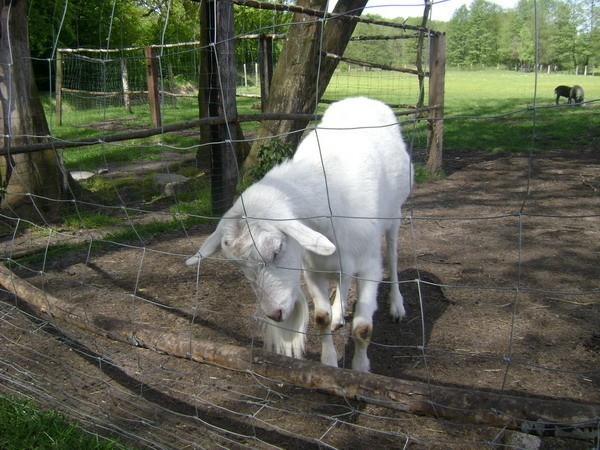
572	94
563	91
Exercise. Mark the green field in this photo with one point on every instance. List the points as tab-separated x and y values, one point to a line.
488	110
499	91
503	111
493	110
481	92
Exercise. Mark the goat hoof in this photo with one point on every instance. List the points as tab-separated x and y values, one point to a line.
397	313
322	319
337	326
363	332
361	365
329	360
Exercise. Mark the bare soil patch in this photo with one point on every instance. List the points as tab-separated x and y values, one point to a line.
499	269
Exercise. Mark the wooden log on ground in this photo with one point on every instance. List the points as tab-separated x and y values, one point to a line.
529	414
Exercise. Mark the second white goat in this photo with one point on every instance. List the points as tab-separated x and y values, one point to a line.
323	213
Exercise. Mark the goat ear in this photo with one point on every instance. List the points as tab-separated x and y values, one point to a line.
310	239
209	247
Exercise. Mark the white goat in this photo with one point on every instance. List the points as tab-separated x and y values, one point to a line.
323	213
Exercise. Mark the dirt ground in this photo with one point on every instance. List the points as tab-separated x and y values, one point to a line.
499	263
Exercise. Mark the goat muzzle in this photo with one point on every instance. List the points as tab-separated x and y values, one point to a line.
275	315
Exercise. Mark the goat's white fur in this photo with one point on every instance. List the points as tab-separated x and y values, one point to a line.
323	213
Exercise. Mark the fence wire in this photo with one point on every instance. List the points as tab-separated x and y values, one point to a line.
498	266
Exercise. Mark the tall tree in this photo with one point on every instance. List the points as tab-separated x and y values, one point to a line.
302	73
508	39
474	34
30	182
169	21
249	20
85	23
587	47
561	41
458	37
377	51
484	18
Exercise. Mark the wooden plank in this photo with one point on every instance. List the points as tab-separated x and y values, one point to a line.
180	126
437	67
265	59
300	9
153	87
59	87
375	65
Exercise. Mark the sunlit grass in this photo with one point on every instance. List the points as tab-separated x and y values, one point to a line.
486	111
500	91
390	87
495	111
506	111
89	220
23	426
98	122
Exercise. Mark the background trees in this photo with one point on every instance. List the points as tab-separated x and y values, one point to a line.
481	34
109	24
484	34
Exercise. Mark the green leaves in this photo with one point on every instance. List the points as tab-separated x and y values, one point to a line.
486	35
268	156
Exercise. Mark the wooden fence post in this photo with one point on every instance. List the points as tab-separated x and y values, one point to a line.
217	99
153	91
265	58
419	61
125	83
59	82
437	68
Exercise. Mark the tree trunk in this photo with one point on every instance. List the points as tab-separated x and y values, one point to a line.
30	182
302	73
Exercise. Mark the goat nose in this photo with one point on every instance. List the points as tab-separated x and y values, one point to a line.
275	315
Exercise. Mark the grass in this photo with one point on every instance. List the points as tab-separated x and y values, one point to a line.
475	104
486	111
493	111
23	426
78	124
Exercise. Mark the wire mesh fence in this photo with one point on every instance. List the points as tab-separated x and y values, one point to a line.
498	268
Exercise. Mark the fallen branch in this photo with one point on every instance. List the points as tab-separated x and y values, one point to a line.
534	415
585	182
